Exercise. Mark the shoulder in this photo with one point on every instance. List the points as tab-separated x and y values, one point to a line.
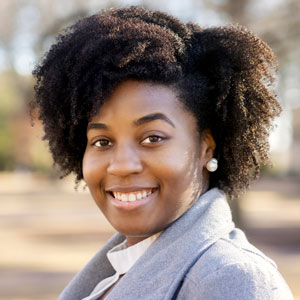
234	269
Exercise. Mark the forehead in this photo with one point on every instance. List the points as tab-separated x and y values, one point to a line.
138	97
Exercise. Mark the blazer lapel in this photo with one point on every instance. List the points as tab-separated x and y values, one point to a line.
97	269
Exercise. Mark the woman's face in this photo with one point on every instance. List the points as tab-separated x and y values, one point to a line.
144	159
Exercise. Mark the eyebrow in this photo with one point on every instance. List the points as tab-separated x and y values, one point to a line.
139	122
97	126
153	117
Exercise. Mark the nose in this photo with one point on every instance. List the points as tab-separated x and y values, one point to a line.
125	161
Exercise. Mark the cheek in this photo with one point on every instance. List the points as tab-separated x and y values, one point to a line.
92	169
179	169
93	174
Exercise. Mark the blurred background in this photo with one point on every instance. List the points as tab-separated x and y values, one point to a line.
47	229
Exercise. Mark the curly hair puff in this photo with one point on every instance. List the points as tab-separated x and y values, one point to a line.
223	75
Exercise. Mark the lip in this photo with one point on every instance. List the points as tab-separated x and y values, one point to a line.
128	189
130	205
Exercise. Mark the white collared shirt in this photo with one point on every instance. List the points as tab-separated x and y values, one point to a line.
122	258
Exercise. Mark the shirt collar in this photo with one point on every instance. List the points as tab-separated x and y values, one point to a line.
122	258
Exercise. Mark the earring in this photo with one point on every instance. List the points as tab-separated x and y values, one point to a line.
212	165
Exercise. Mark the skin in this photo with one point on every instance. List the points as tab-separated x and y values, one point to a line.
163	151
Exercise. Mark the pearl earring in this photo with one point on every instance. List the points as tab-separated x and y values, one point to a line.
212	165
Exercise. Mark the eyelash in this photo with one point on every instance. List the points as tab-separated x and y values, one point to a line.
100	140
159	139
153	136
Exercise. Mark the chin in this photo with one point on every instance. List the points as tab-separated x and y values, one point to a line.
138	231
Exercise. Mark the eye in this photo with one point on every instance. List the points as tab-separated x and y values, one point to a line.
152	139
101	143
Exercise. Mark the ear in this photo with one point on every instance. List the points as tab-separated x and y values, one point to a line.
208	144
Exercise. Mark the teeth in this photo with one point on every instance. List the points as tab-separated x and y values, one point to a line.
133	196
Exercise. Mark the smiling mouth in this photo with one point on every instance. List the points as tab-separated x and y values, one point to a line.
132	196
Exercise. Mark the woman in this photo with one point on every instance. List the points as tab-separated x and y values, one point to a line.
161	120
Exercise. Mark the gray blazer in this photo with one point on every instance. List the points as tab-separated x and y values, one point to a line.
200	256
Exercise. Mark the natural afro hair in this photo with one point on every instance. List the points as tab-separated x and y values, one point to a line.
223	75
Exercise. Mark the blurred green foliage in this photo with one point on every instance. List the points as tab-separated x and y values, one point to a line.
8	106
21	147
6	154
